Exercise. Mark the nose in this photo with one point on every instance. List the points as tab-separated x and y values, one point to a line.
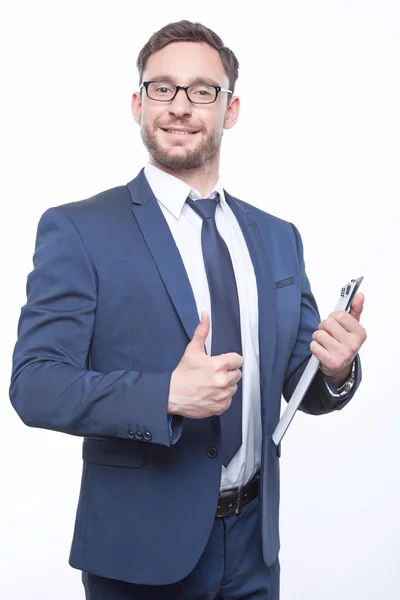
180	106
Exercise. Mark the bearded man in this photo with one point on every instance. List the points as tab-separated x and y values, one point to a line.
165	319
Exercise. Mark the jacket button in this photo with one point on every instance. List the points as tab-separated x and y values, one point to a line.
139	435
130	434
147	436
211	451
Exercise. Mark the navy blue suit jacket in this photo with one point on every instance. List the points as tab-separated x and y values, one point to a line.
109	313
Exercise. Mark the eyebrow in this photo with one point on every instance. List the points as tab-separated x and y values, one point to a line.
198	80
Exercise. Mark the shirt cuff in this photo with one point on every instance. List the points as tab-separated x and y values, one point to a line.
169	417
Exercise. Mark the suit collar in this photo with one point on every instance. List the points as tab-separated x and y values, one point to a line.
140	189
170	191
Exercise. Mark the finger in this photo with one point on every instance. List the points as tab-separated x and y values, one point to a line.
236	376
328	361
349	343
201	332
228	362
334	329
327	342
320	352
357	306
233	389
332	355
346	320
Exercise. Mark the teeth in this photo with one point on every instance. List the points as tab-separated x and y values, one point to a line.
180	132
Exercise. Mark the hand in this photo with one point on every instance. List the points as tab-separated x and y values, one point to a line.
203	386
338	340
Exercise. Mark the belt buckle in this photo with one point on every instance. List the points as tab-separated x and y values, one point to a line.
236	502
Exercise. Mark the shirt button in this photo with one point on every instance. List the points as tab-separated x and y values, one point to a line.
211	451
131	434
139	435
147	436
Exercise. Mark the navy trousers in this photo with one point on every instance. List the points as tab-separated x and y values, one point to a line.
230	568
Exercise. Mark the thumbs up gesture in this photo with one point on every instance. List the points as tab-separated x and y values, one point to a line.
203	386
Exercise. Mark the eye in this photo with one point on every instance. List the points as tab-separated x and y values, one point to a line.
160	89
204	91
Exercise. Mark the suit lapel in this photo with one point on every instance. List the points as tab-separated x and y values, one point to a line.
265	285
165	253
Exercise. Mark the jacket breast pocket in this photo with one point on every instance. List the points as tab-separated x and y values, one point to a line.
114	453
284	282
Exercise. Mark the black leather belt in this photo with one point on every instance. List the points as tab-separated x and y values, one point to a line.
231	501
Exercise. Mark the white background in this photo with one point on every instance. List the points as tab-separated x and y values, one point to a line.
317	143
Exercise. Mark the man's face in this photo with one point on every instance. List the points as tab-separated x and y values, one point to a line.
163	124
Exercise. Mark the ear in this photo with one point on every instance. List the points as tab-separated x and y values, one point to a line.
232	112
136	106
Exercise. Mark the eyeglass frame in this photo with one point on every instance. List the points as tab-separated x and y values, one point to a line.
217	88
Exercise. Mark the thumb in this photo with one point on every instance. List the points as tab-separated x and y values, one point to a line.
201	333
357	306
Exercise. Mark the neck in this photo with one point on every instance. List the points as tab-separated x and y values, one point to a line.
202	179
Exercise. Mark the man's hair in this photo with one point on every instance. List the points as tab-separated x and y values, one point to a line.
185	31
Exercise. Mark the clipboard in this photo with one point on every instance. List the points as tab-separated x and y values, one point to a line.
346	298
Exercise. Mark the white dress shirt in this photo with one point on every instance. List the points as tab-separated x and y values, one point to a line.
185	226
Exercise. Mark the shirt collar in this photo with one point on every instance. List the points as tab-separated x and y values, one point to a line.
173	192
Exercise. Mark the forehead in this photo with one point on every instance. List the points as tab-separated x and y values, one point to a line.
184	61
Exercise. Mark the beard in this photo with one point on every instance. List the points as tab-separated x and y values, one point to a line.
192	159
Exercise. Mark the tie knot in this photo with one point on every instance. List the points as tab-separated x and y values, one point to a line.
204	207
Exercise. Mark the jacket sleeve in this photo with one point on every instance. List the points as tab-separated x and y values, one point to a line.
317	400
51	384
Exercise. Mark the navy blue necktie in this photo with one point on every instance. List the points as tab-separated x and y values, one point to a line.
225	315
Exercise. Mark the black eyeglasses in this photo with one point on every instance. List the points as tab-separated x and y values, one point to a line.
197	94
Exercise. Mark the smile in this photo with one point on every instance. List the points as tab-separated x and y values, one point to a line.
179	132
